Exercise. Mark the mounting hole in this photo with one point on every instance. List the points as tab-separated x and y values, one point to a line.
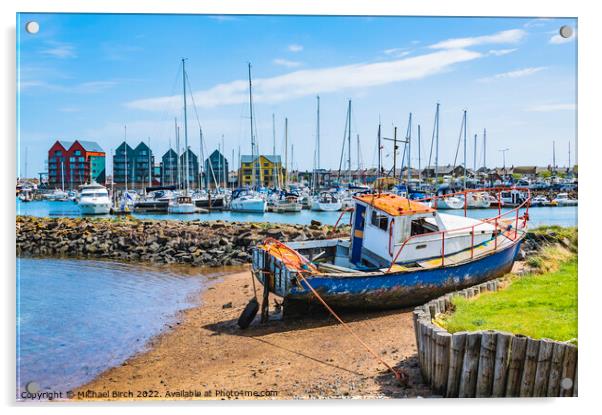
32	27
566	31
566	383
32	387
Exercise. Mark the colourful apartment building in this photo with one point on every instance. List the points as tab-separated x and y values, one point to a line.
73	163
269	171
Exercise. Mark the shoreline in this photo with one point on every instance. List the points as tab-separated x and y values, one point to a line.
204	355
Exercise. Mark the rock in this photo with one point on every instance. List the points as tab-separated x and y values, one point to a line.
315	223
227	305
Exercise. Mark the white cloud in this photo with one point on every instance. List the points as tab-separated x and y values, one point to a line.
316	81
506	36
501	52
536	22
59	50
286	62
397	52
81	88
559	40
295	48
519	73
552	107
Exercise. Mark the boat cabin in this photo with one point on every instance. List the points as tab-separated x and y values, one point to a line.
387	227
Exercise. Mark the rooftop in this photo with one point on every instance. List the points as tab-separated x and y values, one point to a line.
394	205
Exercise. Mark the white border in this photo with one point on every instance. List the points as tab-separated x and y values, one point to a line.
589	158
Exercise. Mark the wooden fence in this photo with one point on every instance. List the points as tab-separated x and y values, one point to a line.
490	363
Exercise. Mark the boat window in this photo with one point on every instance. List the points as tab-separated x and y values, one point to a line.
380	221
421	226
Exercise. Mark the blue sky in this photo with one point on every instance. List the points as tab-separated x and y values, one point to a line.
86	76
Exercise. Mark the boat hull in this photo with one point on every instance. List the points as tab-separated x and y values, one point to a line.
249	206
87	208
182	209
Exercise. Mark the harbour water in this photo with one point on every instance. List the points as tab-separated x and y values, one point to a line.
562	216
77	318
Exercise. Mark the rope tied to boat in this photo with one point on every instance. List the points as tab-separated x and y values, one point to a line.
305	266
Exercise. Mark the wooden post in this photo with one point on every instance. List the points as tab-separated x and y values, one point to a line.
420	344
433	309
456	359
556	369
442	342
433	352
515	365
542	373
427	352
500	371
528	377
568	370
415	317
468	379
486	364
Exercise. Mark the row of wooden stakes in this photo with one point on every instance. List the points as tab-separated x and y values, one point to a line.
490	363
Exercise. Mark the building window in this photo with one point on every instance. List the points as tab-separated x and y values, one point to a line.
77	152
379	220
58	153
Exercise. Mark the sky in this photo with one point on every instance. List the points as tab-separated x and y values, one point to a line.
86	76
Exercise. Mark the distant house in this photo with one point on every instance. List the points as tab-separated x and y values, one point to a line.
530	171
190	172
75	163
216	170
169	168
440	171
268	171
135	170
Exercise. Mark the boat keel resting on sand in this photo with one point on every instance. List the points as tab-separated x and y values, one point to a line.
401	253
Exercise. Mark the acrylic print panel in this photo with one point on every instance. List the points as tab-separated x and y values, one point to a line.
276	207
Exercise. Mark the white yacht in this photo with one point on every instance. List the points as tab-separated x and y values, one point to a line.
289	203
181	205
58	195
326	202
246	201
94	200
562	199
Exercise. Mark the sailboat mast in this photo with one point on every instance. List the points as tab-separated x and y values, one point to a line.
436	143
569	154
554	156
150	176
273	149
465	128
474	164
202	172
409	141
419	161
349	141
223	154
379	152
125	149
286	168
252	135
185	127
178	164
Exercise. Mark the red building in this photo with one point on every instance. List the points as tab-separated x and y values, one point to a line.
73	163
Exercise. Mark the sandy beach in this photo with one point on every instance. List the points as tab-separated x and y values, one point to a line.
207	356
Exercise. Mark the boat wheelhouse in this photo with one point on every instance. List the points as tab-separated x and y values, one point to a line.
400	253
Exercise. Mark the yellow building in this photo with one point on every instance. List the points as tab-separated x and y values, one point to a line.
269	171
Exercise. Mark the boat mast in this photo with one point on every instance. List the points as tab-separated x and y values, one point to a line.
63	175
286	168
379	156
317	149
436	144
569	155
554	156
202	163
349	140
224	162
409	141
274	180
419	161
178	164
474	164
395	152
253	181
125	149
185	127
464	178
150	177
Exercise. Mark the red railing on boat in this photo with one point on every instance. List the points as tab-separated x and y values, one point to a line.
516	211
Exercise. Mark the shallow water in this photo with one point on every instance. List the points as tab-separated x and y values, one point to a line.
77	318
563	216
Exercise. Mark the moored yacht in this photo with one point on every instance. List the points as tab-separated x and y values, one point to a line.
94	200
326	202
247	201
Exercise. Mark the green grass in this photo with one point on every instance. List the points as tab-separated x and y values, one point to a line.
539	306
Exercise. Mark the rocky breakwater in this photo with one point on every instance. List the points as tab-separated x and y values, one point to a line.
208	243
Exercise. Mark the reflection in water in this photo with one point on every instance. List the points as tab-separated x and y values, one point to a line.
77	318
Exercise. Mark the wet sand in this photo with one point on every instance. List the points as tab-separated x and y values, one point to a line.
207	356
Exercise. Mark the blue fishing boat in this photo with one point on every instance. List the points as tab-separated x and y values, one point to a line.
400	253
